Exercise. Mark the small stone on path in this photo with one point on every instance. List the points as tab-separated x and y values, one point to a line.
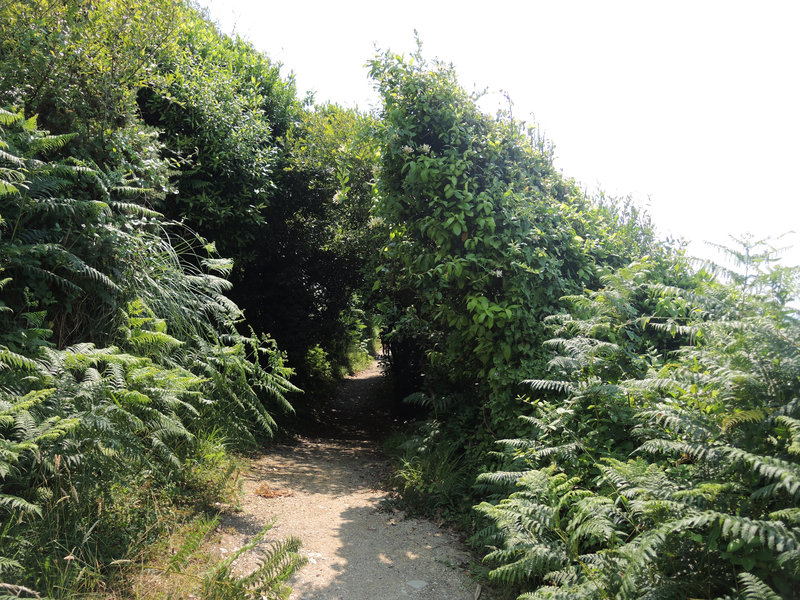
417	584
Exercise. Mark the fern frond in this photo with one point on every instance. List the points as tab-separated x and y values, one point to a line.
276	567
280	561
15	360
220	265
755	589
199	530
15	503
501	477
8	118
536	561
755	415
674	329
786	474
47	143
563	387
694	424
596	520
773	535
129	208
793	426
697	452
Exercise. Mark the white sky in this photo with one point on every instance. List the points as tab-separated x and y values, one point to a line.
692	107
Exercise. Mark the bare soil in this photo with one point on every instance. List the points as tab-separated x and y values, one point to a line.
326	487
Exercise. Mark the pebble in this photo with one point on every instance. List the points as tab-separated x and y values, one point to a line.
417	584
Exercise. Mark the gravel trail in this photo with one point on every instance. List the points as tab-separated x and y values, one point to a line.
325	488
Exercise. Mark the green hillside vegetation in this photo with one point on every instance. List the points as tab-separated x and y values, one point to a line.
185	243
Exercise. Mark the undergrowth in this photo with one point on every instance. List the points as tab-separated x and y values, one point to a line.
185	564
433	471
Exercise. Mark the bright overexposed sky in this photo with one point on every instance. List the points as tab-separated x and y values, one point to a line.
692	107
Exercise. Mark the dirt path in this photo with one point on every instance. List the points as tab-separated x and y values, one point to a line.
325	490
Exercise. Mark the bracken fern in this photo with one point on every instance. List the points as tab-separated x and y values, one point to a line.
667	471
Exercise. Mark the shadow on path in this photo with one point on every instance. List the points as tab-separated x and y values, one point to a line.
363	407
333	467
403	559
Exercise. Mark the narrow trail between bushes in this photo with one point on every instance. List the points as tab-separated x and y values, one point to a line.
327	488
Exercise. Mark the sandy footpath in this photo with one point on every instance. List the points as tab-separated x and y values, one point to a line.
326	491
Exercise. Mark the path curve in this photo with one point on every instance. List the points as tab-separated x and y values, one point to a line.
327	492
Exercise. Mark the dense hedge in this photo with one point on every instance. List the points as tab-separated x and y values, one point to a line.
483	238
